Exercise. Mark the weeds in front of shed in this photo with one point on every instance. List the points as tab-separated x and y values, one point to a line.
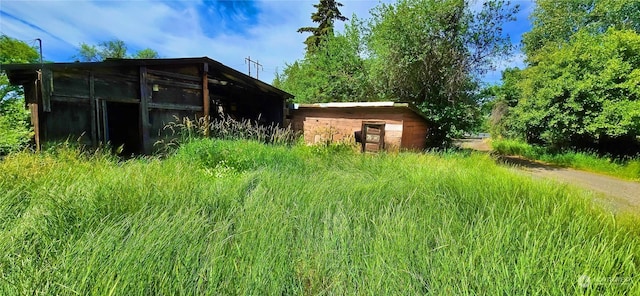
240	217
183	130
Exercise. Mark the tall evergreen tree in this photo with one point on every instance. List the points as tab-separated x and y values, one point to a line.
328	12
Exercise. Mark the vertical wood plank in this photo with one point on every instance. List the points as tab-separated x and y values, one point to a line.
205	97
93	110
144	111
46	85
104	120
33	108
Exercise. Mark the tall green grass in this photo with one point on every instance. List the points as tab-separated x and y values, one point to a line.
626	168
239	217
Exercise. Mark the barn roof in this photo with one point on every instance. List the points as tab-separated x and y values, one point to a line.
24	73
364	105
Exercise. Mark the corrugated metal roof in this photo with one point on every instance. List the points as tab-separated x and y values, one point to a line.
387	104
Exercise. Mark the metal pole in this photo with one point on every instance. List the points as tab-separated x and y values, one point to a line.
40	46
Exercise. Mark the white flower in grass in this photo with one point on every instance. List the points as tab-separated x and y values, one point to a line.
584	281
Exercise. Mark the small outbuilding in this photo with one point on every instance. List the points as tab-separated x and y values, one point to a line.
128	102
377	125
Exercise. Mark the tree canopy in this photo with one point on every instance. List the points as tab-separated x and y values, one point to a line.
554	22
581	88
335	72
583	92
14	120
111	49
431	53
328	12
13	51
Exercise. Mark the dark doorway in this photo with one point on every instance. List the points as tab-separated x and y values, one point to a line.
123	127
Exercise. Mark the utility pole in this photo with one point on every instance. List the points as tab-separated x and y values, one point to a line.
248	61
257	64
40	47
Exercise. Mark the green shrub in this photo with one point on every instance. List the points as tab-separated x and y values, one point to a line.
15	132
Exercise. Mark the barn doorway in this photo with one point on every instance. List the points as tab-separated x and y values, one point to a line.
123	133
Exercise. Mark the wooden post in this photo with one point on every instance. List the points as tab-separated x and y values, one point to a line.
92	104
33	108
46	88
205	98
144	111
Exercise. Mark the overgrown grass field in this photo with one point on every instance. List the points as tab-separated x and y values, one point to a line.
239	217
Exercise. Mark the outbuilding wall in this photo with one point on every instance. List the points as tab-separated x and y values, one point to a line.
403	128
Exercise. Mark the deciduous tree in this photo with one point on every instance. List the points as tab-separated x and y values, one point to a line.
584	93
432	52
335	71
114	49
554	22
14	120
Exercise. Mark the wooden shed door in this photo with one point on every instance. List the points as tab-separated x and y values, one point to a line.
372	136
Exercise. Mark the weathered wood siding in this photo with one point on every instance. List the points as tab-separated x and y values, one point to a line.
130	102
414	132
340	124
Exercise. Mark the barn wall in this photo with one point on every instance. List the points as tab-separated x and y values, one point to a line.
133	103
67	121
65	113
175	93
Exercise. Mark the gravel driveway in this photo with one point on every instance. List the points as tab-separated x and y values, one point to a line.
616	194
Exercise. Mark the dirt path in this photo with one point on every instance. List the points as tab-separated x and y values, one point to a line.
616	194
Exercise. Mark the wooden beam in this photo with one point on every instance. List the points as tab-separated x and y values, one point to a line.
166	106
119	100
145	94
173	75
116	77
76	99
92	103
175	83
205	97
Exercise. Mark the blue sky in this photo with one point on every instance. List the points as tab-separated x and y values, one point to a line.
226	31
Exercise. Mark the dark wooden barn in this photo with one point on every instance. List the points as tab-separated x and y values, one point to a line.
378	125
129	101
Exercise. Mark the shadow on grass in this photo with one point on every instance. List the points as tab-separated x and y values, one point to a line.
517	161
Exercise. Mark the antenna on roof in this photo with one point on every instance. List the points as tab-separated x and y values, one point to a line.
248	61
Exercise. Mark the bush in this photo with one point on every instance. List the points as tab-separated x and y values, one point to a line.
15	132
